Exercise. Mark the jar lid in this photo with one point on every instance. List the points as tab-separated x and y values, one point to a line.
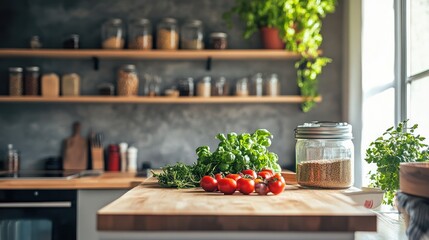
194	22
169	20
115	21
32	69
128	67
15	69
218	35
206	79
324	130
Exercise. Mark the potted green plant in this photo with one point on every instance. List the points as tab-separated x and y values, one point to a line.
299	23
395	146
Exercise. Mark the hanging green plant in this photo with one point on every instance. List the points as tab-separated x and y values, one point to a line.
299	23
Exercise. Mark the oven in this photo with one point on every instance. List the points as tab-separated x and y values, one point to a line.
38	214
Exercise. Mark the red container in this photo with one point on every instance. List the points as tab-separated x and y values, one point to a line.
113	163
271	38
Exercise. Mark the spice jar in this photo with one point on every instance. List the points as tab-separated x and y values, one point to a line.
167	34
31	81
50	85
15	81
35	42
220	87
242	88
218	40
113	34
106	89
128	82
113	164
191	35
140	35
324	155
186	87
272	86
70	85
152	86
204	87
257	85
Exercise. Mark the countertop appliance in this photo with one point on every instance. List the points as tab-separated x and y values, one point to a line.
38	214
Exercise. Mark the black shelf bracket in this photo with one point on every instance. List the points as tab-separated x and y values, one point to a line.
96	63
209	64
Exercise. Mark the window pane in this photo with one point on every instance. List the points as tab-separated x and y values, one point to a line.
419	36
378	115
378	44
417	106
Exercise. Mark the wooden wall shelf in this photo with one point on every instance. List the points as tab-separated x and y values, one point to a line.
151	100
152	54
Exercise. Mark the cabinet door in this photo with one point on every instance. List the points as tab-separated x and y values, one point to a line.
88	203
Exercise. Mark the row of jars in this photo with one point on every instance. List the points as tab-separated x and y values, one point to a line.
167	35
128	85
49	84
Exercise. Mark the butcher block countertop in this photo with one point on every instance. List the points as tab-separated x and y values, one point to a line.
107	180
148	207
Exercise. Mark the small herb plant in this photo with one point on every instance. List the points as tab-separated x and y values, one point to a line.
300	24
395	146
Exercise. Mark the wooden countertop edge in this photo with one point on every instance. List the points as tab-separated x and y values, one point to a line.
121	222
108	180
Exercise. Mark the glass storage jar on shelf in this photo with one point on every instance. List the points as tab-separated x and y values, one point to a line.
186	87
272	86
218	40
204	87
242	88
257	85
220	87
140	34
167	37
191	35
15	81
31	81
113	34
324	155
128	82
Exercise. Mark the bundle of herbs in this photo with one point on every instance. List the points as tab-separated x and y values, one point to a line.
235	152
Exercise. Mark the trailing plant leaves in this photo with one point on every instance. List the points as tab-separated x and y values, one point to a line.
396	145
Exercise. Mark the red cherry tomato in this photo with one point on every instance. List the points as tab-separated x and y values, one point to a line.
227	186
233	176
268	170
279	177
246	185
249	172
218	176
265	174
208	183
276	184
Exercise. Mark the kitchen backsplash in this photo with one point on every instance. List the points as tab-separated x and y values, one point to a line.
163	133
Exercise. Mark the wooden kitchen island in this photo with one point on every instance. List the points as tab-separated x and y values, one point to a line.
151	212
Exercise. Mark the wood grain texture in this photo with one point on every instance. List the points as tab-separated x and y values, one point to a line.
107	180
165	100
75	151
150	208
414	179
245	54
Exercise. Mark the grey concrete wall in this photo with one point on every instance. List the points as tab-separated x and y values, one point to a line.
163	133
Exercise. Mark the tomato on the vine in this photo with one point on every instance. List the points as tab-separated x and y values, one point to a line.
233	176
267	170
208	183
246	185
279	176
249	172
218	176
276	184
227	186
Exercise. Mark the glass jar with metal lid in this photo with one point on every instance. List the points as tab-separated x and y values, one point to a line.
113	34
140	34
192	35
218	40
32	81
324	154
167	37
15	81
128	82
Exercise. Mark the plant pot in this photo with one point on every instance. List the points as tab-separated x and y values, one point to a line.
271	38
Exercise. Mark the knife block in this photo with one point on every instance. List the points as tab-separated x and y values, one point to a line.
97	156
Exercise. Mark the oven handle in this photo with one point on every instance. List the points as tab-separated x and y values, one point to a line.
36	205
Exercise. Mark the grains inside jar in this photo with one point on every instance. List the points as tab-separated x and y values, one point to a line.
325	173
142	42
128	82
168	40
